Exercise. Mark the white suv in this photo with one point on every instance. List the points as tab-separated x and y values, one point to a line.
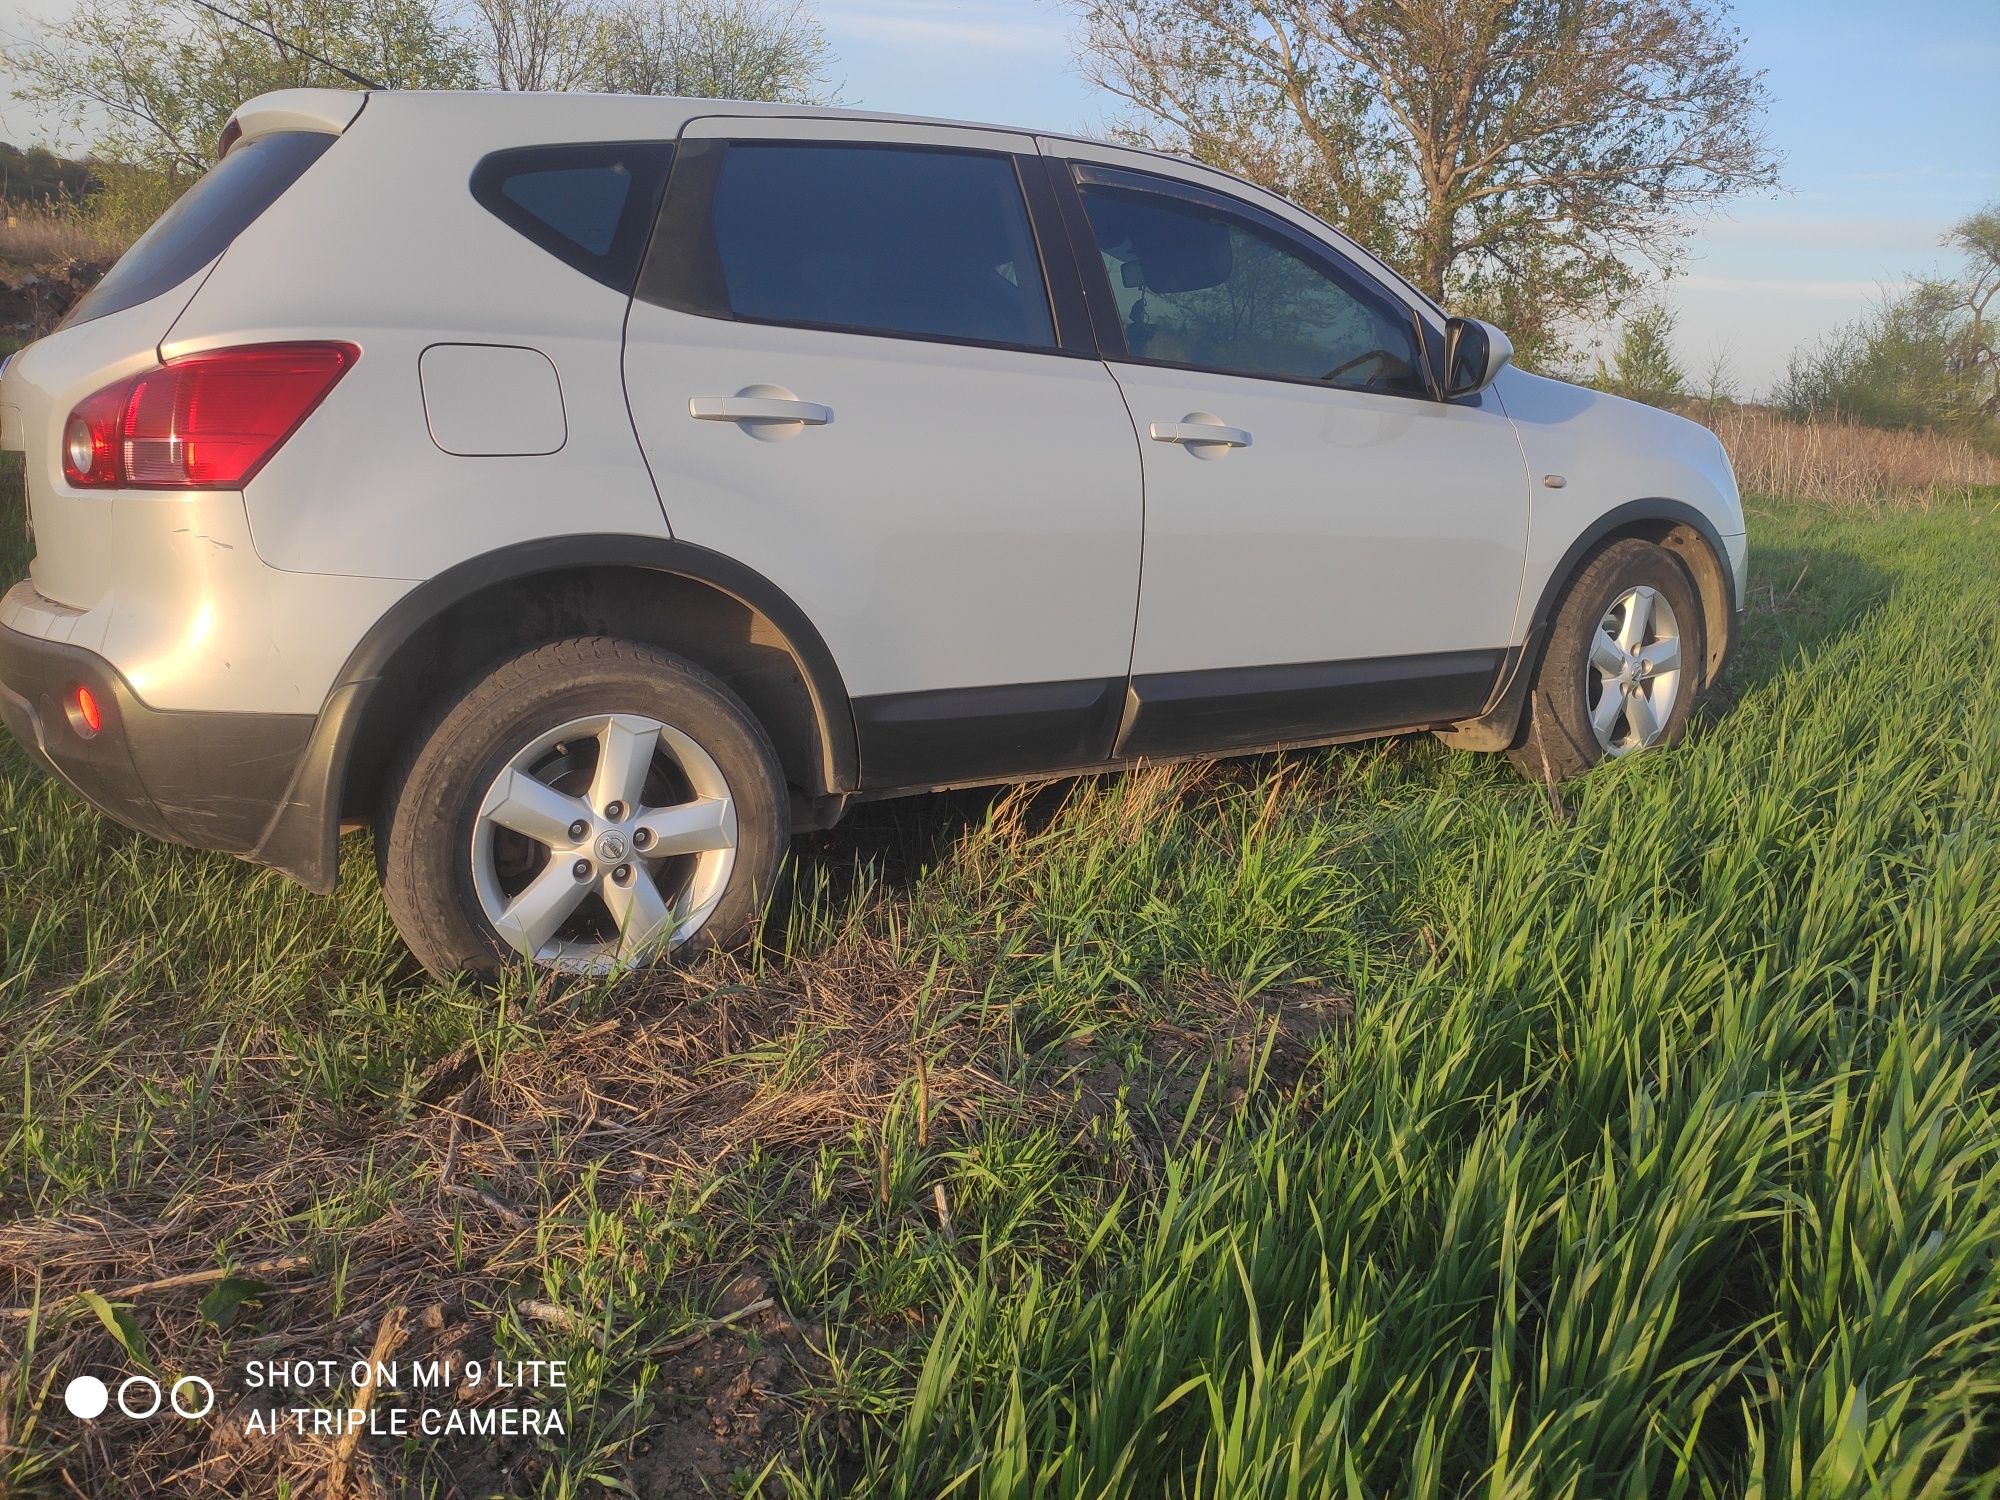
587	492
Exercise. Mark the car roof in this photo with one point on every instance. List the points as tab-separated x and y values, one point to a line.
327	104
518	113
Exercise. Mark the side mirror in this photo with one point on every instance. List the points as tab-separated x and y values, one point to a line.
1474	353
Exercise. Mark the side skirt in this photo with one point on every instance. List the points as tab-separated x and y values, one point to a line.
930	741
1242	708
965	736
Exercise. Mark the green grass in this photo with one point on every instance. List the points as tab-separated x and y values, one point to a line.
1346	1123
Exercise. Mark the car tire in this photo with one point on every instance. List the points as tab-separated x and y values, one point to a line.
1622	665
640	751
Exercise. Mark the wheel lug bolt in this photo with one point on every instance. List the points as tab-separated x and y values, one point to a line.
578	829
615	812
623	874
581	869
642	838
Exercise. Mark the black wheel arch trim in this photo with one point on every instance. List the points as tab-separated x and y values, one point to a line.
1658	509
1498	726
303	835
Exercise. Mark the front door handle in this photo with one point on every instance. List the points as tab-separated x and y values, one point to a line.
759	408
1199	430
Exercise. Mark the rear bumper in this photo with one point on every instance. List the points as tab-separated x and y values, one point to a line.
208	780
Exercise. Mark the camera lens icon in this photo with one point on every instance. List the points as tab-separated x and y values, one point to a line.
86	1397
139	1397
189	1383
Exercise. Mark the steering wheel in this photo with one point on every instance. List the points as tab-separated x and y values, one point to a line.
1382	357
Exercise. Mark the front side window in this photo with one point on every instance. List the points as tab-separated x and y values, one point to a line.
1202	286
909	241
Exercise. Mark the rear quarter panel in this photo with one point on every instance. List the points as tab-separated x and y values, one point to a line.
389	250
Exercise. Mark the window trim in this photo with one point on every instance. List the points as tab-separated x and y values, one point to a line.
677	273
1107	325
619	267
1074	174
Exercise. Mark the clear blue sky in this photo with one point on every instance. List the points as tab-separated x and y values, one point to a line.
1888	117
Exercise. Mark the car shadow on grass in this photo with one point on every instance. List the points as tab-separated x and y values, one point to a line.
1801	602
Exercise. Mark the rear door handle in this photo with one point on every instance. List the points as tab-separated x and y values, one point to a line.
1199	429
759	409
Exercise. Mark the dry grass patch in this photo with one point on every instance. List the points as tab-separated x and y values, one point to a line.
592	1193
38	238
1840	464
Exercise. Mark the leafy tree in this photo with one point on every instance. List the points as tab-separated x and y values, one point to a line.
1644	367
714	49
717	49
537	45
1977	236
152	82
1524	158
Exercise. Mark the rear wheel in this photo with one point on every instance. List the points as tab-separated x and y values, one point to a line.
591	805
1621	667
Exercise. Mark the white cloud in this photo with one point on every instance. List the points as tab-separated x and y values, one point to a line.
1791	286
1787	228
1924	174
930	26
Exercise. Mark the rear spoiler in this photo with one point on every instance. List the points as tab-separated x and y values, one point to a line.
328	111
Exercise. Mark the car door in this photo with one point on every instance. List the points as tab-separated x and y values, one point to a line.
1330	549
855	368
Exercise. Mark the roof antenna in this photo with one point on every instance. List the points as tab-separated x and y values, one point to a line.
348	73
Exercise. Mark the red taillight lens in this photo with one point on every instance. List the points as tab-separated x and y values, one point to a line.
203	421
91	440
85	714
231	134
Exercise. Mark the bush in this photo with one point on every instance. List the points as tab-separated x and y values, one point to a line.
1644	367
1905	366
128	200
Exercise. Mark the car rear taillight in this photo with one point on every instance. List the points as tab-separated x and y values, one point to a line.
90	439
204	421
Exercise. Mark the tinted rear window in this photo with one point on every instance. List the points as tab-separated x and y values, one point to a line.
591	205
204	220
911	241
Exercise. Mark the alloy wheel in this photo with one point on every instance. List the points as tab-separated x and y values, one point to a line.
603	842
1633	680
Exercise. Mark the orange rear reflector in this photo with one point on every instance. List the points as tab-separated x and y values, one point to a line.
89	718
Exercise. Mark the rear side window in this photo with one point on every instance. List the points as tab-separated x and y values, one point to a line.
591	205
204	220
909	241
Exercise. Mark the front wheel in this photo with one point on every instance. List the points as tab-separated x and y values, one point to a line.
591	805
1621	667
